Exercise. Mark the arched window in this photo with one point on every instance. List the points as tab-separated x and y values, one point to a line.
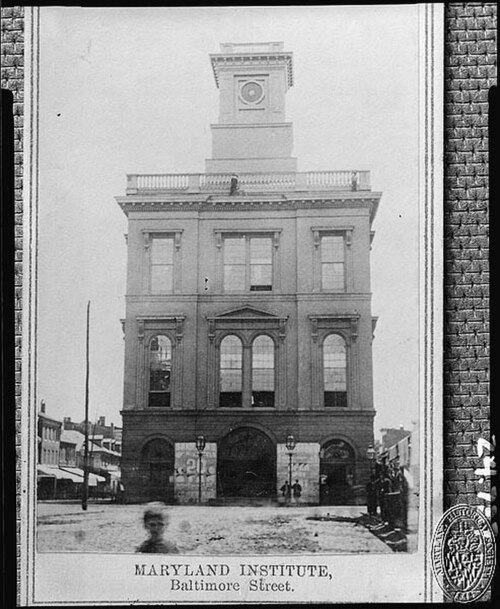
231	372
263	371
335	371
160	368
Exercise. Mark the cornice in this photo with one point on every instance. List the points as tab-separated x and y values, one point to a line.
225	126
231	413
235	60
253	202
193	297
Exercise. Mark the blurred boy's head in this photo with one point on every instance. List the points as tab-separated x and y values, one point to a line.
155	522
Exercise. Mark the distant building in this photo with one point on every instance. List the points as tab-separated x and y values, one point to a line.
68	449
103	459
400	448
60	469
52	482
103	462
391	436
248	310
49	434
111	435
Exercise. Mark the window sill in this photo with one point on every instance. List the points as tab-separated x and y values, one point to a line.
247	292
333	291
248	408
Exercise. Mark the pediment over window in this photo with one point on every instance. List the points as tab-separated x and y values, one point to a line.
247	319
345	323
245	313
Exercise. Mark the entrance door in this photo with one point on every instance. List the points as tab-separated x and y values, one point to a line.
337	467
158	470
246	464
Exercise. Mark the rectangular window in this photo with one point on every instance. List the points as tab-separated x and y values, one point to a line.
261	264
335	399
234	264
332	263
162	264
248	263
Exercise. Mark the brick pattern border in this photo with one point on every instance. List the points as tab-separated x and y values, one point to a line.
470	70
12	78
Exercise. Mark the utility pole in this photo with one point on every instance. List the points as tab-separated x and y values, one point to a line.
85	489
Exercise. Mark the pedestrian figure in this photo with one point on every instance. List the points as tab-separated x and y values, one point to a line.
285	489
297	491
155	522
385	489
120	493
371	493
403	494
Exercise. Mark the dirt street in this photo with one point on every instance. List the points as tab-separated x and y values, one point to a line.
202	530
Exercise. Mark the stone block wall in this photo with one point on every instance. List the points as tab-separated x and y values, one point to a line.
186	483
12	80
305	469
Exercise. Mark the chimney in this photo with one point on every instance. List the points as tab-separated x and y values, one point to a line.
102	421
42	406
67	422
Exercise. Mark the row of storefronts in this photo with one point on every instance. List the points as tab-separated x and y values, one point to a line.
55	482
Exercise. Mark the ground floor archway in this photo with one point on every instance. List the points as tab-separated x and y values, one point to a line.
246	464
337	469
157	470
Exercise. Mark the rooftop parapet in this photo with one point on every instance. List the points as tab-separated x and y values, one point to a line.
251	47
243	183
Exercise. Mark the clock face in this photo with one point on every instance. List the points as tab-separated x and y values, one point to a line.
252	92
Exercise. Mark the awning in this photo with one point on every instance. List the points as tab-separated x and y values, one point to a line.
58	473
93	478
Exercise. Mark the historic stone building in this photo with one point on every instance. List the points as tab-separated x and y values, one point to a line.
248	311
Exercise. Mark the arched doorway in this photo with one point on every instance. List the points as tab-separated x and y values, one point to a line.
337	468
246	464
157	461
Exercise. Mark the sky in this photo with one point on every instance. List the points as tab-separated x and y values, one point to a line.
132	91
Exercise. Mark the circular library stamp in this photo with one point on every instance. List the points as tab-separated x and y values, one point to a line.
463	553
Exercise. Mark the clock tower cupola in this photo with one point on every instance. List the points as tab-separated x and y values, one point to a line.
252	135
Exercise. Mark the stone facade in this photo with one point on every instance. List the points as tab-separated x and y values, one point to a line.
295	214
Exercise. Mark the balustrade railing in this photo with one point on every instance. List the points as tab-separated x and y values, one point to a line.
248	182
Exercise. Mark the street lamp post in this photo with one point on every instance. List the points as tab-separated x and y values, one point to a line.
290	446
370	453
371	499
200	447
